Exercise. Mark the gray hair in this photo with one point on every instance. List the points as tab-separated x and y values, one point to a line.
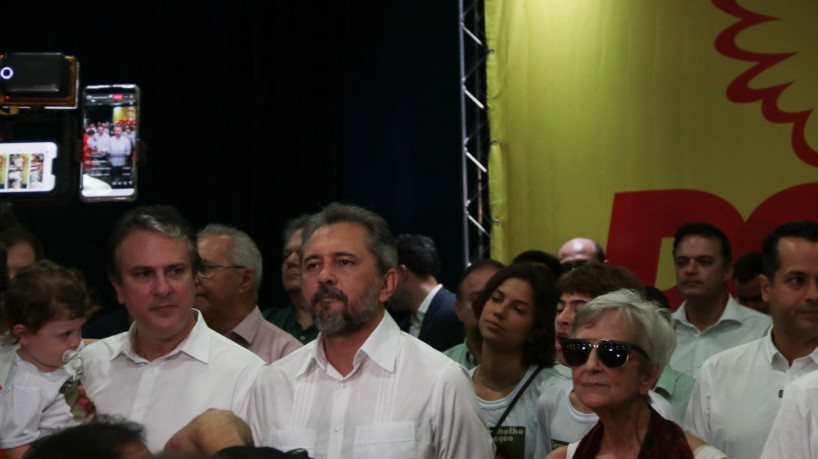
161	219
243	250
650	323
380	241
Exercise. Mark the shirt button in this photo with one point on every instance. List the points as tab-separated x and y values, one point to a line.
337	428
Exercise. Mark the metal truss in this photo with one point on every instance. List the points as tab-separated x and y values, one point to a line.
475	131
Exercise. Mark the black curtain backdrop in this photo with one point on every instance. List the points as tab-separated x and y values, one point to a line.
257	111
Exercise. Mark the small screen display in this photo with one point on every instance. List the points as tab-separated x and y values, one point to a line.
109	147
27	167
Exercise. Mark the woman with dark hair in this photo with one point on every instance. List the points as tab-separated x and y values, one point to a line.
516	322
618	347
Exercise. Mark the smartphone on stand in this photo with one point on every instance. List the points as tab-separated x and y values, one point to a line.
110	142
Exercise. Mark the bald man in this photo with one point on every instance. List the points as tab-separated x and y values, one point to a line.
578	251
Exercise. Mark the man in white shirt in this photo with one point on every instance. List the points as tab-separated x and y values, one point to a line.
710	320
169	366
738	392
793	435
227	288
363	388
790	285
99	143
429	306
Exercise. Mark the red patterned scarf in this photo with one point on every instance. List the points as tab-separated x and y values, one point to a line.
663	440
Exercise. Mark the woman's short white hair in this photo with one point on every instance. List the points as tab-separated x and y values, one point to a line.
650	323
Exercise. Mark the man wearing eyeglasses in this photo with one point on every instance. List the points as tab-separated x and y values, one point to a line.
227	288
739	391
170	366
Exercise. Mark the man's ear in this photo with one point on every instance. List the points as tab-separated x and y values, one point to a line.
390	282
765	284
728	272
248	279
118	287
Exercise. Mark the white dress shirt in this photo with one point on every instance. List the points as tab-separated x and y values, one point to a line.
738	394
737	325
262	338
206	370
119	148
403	399
795	431
416	319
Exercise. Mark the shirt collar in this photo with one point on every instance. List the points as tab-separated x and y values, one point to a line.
424	305
381	347
733	312
196	344
248	327
775	357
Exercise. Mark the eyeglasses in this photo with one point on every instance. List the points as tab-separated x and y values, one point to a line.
207	270
612	354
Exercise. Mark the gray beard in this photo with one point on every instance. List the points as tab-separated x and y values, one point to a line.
344	322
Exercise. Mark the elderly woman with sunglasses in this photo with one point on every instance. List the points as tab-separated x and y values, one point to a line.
515	315
618	348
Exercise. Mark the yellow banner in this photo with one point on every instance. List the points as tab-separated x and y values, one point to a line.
619	120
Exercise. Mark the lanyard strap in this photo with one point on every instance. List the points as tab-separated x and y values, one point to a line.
514	400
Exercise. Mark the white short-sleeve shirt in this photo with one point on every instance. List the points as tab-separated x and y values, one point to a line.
738	394
737	325
205	371
794	434
403	399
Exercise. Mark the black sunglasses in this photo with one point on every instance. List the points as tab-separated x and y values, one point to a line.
612	354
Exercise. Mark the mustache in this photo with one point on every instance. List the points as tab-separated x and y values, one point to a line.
328	291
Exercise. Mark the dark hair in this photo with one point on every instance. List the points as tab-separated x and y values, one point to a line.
600	252
707	230
543	286
419	254
103	438
19	235
158	219
804	229
594	279
293	225
543	258
657	297
40	292
478	265
748	267
380	241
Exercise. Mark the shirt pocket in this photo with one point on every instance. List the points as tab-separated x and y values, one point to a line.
391	439
287	440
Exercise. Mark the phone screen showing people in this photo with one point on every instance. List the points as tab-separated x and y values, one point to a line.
26	167
110	122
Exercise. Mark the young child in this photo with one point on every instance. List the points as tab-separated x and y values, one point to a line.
43	311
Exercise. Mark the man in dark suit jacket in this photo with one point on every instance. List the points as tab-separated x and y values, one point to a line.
429	307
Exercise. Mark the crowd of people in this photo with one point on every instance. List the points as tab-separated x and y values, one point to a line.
558	356
107	150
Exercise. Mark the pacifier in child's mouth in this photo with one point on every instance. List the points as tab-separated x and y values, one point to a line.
69	355
72	356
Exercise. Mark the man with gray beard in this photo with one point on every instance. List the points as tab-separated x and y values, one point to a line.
363	388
